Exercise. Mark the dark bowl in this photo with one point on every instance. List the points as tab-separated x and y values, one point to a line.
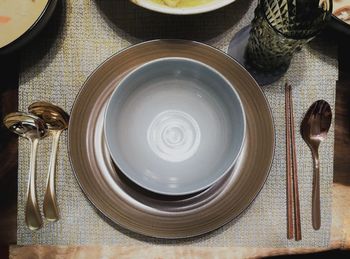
32	31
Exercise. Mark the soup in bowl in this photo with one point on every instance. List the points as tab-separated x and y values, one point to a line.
17	17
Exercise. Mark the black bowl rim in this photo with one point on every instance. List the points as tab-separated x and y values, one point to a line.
340	25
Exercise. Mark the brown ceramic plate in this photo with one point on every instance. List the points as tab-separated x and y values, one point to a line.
164	216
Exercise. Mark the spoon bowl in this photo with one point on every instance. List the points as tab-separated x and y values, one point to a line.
32	128
25	125
54	117
314	129
57	121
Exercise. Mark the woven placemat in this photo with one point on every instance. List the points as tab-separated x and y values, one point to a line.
84	34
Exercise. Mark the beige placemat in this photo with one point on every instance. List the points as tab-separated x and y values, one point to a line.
85	34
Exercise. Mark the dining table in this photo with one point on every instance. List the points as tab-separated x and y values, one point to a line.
10	66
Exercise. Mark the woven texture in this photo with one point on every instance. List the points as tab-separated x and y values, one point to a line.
85	33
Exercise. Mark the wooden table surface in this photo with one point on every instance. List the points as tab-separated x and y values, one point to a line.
9	67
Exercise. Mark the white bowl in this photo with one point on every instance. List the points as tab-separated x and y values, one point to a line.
174	126
211	6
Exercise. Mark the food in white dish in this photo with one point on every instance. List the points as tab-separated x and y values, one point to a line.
182	3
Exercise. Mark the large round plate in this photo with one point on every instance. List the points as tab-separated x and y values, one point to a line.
161	216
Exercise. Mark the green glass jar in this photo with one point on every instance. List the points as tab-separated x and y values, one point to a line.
280	27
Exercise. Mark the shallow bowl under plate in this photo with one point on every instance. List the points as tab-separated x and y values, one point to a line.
174	126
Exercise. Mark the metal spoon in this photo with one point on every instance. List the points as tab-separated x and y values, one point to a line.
314	129
56	120
32	128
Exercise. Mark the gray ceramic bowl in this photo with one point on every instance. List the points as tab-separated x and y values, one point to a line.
174	126
341	16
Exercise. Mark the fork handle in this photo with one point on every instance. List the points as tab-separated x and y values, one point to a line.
316	210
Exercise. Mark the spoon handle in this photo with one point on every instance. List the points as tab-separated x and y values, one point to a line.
316	211
32	213
50	206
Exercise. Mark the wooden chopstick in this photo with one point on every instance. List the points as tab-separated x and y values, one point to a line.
295	171
289	183
292	170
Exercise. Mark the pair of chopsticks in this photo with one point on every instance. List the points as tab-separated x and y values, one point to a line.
291	170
